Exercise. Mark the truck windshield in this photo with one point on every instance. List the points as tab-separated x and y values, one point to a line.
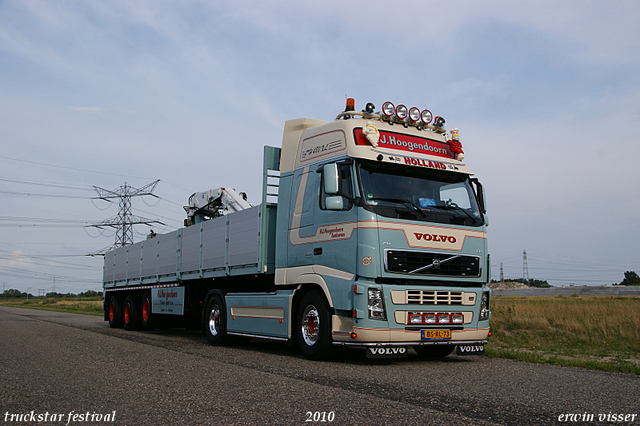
418	194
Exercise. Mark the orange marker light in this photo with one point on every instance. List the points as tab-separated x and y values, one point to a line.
351	104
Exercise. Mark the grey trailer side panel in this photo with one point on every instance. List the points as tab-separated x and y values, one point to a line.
168	253
134	252
243	237
191	248
214	235
109	267
120	264
150	257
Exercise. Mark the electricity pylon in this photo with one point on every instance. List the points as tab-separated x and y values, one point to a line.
525	268
124	221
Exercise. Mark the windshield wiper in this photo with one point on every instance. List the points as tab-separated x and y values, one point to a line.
458	208
400	201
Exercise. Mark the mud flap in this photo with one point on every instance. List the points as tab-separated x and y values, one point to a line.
470	350
387	352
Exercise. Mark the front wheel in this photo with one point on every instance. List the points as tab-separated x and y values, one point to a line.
314	326
215	322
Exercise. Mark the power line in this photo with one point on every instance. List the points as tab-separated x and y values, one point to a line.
48	184
70	168
29	194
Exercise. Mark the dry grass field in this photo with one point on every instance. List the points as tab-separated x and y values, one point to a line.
601	332
77	305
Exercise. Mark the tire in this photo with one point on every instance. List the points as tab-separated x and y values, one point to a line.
215	322
434	351
314	326
131	313
148	320
114	314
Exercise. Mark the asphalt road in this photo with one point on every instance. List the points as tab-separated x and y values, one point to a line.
53	364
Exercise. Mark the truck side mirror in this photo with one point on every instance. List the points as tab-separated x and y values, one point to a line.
331	178
334	203
480	194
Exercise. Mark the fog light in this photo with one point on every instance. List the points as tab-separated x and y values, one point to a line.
388	109
415	318
444	319
414	115
426	116
401	112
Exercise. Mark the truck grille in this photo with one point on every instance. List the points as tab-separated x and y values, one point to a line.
430	264
428	297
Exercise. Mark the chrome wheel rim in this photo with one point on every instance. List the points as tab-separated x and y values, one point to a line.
214	320
310	325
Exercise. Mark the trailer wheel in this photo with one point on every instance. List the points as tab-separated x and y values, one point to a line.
148	319
215	322
433	351
314	326
131	314
115	312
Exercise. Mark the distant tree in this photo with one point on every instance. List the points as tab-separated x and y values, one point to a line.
630	278
53	294
90	293
530	283
12	293
539	283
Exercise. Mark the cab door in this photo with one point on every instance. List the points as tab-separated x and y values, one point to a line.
335	218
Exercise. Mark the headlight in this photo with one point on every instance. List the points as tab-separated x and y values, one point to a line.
484	306
376	304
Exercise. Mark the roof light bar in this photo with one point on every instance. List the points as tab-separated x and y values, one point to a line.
422	120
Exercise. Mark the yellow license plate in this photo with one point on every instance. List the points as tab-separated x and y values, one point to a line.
436	334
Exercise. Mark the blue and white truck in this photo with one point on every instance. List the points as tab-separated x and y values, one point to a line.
371	233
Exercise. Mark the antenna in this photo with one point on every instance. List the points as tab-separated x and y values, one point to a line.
124	221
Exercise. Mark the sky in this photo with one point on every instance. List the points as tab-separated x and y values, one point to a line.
546	95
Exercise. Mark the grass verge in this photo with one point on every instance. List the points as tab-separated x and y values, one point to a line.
596	332
75	305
